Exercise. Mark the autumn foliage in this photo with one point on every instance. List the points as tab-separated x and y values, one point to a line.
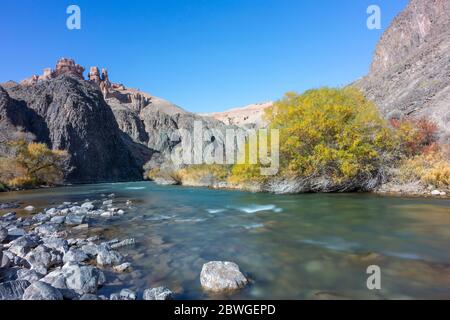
31	164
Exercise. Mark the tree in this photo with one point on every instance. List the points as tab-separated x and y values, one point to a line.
32	164
332	133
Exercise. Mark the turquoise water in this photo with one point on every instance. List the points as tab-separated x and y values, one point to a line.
292	247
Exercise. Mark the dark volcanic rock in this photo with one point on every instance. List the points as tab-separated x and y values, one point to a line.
410	73
69	113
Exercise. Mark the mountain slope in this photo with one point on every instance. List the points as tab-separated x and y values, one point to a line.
248	116
69	113
410	73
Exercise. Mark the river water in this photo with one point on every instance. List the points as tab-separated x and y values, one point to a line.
312	246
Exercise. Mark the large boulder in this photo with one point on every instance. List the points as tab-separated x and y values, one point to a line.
73	280
41	291
13	290
22	245
219	276
43	258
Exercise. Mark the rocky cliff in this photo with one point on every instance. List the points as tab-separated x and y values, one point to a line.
67	112
110	131
410	73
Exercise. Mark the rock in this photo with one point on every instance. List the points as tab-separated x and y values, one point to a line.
9	205
51	211
92	239
67	111
74	220
29	275
89	297
9	216
41	291
107	257
13	290
58	219
43	258
5	261
46	229
159	293
16	260
120	212
435	193
57	279
21	246
124	267
58	244
29	208
41	217
123	243
75	255
83	279
74	209
83	226
106	214
3	234
114	296
88	206
15	232
91	249
221	276
127	294
107	202
443	193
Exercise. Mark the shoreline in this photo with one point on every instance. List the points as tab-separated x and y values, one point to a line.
388	189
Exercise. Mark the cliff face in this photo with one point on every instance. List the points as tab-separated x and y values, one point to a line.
109	131
410	73
69	113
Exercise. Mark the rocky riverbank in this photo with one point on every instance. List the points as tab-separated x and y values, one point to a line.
51	255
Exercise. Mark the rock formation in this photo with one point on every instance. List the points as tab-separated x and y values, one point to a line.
69	113
410	73
63	66
110	131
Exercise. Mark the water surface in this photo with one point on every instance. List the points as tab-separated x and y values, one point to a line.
292	247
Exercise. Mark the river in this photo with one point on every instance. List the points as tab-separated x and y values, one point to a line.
292	246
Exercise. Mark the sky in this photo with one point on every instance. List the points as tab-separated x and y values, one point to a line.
203	55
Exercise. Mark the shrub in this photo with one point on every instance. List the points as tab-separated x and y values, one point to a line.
165	174
32	164
430	168
438	175
333	133
415	136
204	174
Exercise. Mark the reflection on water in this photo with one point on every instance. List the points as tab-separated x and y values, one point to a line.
292	247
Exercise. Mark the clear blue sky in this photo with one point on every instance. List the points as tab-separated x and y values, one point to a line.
204	55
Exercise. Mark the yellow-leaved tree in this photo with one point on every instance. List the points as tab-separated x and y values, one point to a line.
331	133
32	164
